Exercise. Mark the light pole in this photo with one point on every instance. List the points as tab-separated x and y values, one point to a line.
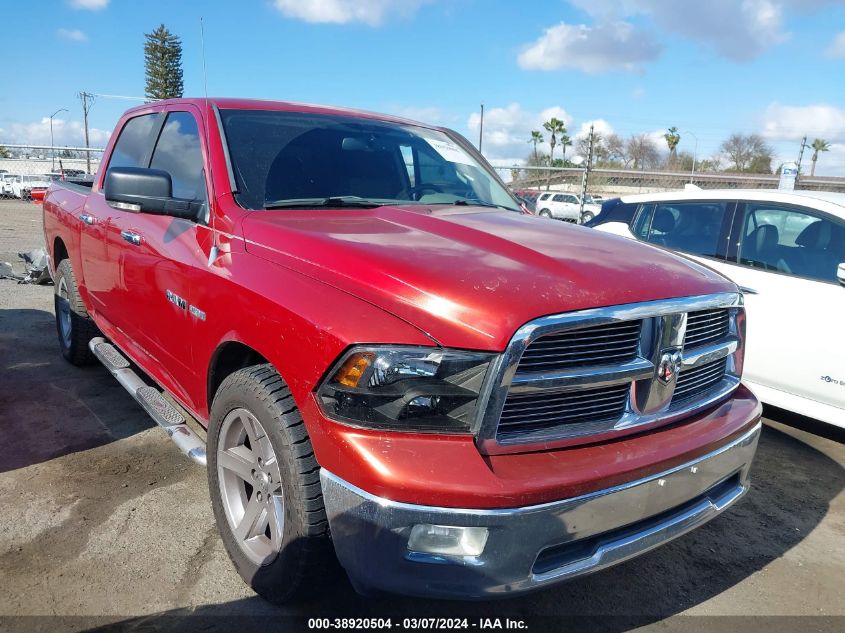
53	147
694	155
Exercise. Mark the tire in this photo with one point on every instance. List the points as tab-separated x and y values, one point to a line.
292	557
587	217
545	213
73	325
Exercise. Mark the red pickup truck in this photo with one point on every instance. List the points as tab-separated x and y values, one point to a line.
387	362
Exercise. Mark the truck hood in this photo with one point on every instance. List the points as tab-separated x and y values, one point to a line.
469	277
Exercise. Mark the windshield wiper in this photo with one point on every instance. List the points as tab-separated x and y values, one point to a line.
478	203
324	203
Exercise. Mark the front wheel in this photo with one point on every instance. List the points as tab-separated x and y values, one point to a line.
264	483
545	213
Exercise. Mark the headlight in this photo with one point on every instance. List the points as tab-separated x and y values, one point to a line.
405	388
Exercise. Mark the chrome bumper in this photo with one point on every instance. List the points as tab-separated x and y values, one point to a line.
535	546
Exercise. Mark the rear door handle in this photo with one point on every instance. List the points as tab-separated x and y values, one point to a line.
88	219
132	238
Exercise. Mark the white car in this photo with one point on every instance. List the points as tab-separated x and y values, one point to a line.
22	186
786	251
565	206
6	185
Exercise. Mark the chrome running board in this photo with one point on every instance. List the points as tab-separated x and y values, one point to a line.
151	400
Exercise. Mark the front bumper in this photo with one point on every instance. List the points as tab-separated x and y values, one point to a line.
534	546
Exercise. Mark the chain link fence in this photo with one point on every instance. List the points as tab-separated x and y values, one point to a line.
27	169
619	182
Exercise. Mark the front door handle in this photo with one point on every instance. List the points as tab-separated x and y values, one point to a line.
747	291
88	219
132	238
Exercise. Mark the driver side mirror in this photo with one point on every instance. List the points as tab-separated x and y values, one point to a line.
143	190
840	274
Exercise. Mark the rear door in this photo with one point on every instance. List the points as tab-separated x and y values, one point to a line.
161	254
100	244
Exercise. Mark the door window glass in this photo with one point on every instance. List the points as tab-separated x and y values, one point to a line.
692	227
558	198
178	152
791	240
642	223
133	143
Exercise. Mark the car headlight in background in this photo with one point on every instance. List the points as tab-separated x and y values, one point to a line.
406	388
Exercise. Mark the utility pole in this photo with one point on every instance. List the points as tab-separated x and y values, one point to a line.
800	156
87	101
481	129
586	177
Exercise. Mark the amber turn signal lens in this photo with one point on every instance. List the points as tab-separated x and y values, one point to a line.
353	369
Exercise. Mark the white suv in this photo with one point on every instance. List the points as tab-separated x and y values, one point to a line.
565	206
786	251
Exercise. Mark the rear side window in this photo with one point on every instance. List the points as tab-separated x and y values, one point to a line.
615	211
133	144
692	227
178	152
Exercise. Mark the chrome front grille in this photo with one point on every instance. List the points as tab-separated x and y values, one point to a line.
536	412
699	380
600	373
706	326
597	345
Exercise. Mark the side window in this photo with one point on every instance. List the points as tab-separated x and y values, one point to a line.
791	240
571	199
178	152
692	227
642	223
558	198
133	143
408	156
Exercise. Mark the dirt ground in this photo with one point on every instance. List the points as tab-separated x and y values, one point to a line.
100	515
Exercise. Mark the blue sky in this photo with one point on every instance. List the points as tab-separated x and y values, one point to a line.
775	67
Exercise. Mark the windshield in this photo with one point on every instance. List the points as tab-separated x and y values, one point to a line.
296	159
34	179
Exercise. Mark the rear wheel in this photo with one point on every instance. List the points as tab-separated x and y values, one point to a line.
586	217
265	490
73	325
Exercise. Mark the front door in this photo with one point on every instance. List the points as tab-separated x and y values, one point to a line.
787	261
161	257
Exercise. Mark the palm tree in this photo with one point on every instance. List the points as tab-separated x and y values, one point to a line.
565	141
819	145
553	126
536	137
672	139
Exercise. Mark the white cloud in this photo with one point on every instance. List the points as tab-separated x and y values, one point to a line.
507	130
89	5
738	29
608	46
70	133
791	123
370	12
836	50
600	126
74	35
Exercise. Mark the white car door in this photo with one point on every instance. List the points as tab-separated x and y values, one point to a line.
786	262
